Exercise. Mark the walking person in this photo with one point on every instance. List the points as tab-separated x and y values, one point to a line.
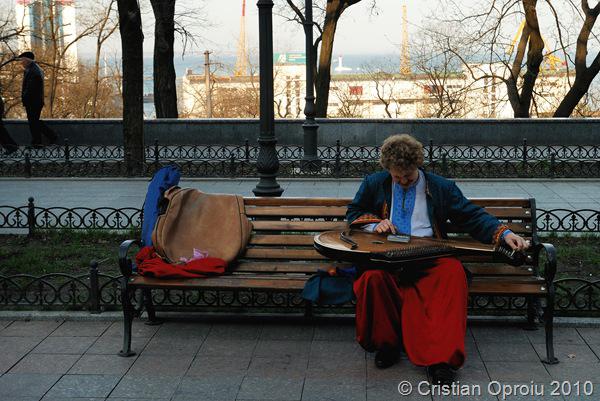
6	141
32	95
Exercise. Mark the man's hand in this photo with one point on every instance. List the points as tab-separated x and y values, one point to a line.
516	242
385	226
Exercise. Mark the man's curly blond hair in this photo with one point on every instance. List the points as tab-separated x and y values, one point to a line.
402	152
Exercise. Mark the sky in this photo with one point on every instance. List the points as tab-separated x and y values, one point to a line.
359	31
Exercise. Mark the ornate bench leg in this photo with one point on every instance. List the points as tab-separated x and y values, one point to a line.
152	320
127	319
549	321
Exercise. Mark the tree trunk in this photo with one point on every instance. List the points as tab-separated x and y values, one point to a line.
333	12
132	38
584	75
165	91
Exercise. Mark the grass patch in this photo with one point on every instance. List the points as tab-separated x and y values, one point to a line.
61	251
576	256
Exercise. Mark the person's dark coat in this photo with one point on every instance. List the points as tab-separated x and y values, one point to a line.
445	202
32	93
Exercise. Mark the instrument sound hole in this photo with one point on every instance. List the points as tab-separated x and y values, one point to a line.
377	242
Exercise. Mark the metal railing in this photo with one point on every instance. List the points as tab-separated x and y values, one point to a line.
31	218
457	161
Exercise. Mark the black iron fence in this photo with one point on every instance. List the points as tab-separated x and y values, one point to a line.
97	292
32	217
458	161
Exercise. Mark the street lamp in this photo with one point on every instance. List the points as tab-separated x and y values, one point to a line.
268	163
310	160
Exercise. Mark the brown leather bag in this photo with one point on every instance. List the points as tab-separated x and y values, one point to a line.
214	223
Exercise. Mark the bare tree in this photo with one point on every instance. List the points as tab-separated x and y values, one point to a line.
327	17
165	91
132	38
583	74
349	100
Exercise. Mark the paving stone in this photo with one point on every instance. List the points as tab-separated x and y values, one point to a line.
568	353
216	365
492	334
138	329
270	388
337	372
71	399
290	332
574	371
169	346
8	359
183	330
25	385
285	367
209	388
472	391
81	329
502	352
146	387
591	335
241	331
321	390
18	344
32	328
64	345
472	372
527	391
335	332
562	335
386	390
403	370
161	365
227	347
45	364
4	323
517	371
282	348
109	345
336	349
90	364
75	386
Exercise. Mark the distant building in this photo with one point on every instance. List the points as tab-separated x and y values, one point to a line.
475	92
45	22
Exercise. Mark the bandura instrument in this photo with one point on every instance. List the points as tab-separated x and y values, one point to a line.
373	249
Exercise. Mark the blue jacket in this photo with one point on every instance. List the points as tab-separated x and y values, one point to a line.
445	202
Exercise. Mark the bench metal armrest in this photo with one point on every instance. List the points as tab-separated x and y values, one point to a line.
550	265
125	263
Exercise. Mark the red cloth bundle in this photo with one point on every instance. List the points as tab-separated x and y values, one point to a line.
150	264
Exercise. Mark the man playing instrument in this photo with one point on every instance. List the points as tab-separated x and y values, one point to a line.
428	316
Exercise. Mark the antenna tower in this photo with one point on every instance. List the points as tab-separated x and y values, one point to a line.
404	56
241	64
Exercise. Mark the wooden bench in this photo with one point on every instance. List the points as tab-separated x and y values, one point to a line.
280	258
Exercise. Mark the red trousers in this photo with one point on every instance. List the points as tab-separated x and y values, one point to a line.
428	317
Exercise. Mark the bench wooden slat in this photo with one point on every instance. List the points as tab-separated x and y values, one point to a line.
291	239
520	228
266	225
268	201
225	282
297	211
282	253
510	212
499	270
506	288
285	267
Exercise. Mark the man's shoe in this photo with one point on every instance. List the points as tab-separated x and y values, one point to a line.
386	357
441	373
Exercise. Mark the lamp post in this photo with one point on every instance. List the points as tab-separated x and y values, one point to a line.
310	160
267	163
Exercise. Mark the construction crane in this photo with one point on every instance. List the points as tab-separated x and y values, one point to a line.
552	62
241	64
404	54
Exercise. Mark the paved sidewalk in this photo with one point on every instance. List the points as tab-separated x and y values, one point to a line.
94	193
266	360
